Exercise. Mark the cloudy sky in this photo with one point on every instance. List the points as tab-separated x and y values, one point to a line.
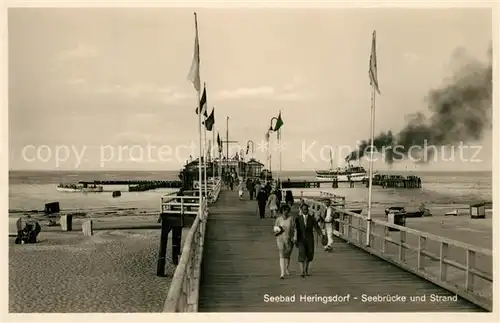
95	80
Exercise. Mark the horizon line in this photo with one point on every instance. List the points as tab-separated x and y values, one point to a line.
283	170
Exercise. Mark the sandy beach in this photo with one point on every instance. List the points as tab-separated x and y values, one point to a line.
112	271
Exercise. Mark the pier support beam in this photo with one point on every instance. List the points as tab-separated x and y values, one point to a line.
162	253
176	244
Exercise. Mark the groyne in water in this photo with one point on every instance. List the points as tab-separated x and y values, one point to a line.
137	185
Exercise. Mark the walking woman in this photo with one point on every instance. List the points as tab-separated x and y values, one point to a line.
240	189
272	203
284	229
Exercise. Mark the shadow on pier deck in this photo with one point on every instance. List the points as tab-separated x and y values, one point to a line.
240	266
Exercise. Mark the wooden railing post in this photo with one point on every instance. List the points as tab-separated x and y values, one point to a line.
402	240
469	264
358	231
420	256
443	254
384	242
349	227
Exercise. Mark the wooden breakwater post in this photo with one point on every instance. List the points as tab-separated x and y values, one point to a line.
66	222
87	228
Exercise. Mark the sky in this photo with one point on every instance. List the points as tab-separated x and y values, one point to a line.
93	89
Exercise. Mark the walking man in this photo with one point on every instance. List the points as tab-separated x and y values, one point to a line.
251	188
261	202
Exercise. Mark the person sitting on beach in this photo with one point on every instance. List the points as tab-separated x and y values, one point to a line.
29	233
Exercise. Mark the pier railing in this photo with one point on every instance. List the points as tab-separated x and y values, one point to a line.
461	268
190	201
183	293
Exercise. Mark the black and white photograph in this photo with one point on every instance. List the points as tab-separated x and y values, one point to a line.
249	158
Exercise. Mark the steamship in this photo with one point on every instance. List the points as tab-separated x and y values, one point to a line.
344	174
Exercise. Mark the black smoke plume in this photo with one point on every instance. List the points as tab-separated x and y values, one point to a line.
460	111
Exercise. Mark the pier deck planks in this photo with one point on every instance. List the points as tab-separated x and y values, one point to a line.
240	266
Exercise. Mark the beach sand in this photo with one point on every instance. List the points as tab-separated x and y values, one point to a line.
112	271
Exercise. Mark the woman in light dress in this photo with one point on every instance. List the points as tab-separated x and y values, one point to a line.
284	229
240	189
272	204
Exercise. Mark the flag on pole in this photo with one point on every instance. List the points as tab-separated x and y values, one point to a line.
219	143
279	123
209	122
248	147
194	71
203	102
373	65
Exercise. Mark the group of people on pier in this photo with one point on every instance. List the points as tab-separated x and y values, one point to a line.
292	230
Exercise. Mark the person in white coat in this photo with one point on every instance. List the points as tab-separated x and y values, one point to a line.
329	224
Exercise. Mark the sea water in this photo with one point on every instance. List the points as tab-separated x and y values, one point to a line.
30	190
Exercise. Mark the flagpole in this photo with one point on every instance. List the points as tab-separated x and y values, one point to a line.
370	171
213	156
197	79
279	146
227	143
205	159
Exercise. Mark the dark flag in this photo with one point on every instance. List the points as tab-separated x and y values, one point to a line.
279	124
209	122
219	143
203	102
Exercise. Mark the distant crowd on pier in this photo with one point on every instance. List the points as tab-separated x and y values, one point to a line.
292	230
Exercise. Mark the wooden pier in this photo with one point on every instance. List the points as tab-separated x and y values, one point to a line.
397	181
239	268
137	185
314	184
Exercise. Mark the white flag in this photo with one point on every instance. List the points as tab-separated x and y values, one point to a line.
373	65
194	72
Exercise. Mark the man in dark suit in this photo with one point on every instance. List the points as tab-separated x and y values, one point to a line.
261	202
305	225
